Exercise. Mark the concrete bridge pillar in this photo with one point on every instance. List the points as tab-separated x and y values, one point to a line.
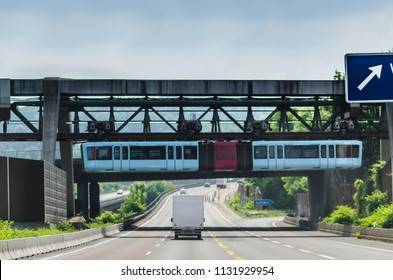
94	199
67	160
318	183
82	202
51	87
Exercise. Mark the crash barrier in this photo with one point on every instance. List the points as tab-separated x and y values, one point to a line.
379	234
26	247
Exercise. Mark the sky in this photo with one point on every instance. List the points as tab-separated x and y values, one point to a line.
189	39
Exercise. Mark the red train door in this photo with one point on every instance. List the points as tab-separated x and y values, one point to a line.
225	156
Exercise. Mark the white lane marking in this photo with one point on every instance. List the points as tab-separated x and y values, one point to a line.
365	247
148	253
109	240
305	251
223	216
327	257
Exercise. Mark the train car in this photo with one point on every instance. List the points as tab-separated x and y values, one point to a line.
306	155
140	156
220	156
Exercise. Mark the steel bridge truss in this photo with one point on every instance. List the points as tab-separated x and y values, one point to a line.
196	117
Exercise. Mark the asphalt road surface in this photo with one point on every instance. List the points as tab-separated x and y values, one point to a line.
226	237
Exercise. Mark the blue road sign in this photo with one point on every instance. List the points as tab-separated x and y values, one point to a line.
369	78
263	202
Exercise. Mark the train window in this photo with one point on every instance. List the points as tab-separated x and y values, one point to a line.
116	152
91	153
331	151
179	153
302	151
279	152
125	152
323	151
310	151
140	153
347	151
170	152
260	152
293	152
104	153
272	152
190	152
356	151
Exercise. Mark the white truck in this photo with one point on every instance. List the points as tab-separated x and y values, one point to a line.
188	215
222	183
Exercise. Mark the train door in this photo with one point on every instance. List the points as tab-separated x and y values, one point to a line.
280	156
116	158
125	158
331	156
275	158
170	159
179	157
323	157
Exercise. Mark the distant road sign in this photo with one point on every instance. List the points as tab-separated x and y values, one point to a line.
263	202
369	78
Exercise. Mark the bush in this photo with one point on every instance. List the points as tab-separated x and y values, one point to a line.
382	217
108	217
375	200
64	225
342	215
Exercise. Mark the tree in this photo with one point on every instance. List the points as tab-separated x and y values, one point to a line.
135	202
375	200
294	185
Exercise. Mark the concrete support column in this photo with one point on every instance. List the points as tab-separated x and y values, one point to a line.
318	184
389	113
94	199
51	117
82	204
67	161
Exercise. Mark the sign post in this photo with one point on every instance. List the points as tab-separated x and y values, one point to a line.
369	78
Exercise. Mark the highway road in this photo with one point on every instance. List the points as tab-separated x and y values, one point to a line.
227	237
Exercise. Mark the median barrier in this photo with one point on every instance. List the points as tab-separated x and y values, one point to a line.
379	234
4	254
26	247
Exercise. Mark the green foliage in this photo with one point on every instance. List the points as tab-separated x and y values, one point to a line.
376	174
294	185
382	218
273	188
342	215
360	196
108	217
155	188
7	231
375	200
64	225
135	202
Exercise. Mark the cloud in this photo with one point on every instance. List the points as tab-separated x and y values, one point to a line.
225	40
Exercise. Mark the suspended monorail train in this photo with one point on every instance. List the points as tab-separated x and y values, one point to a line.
189	156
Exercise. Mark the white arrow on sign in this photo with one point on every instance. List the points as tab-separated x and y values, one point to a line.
375	71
